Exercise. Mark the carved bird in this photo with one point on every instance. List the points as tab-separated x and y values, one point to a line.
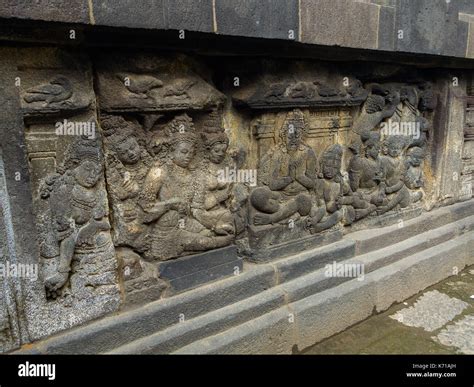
58	90
180	88
301	90
140	85
355	88
325	90
276	90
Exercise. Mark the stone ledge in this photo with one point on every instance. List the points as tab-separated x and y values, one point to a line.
432	27
329	312
224	304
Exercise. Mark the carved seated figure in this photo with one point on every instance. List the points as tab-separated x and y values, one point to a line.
341	204
414	179
210	202
394	174
127	166
169	198
366	176
288	173
328	191
79	210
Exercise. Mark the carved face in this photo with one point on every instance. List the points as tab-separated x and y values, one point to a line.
183	153
393	147
88	173
217	152
293	138
408	94
372	149
331	167
395	150
128	151
416	157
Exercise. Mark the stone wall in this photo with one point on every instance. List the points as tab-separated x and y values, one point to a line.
132	175
437	27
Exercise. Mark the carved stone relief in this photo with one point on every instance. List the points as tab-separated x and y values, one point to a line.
78	268
321	183
179	182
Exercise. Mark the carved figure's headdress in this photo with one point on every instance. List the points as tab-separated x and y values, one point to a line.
374	103
213	123
334	152
181	128
117	130
81	150
294	120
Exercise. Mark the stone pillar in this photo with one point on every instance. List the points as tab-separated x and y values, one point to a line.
17	223
449	139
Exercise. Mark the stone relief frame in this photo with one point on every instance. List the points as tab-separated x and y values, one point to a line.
184	179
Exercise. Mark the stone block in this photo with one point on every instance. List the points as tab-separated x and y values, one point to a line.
73	11
258	18
190	15
129	13
340	23
189	272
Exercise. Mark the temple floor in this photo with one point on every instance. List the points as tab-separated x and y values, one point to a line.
438	320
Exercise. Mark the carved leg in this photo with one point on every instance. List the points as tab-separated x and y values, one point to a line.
284	212
317	213
329	222
362	213
66	252
401	198
201	243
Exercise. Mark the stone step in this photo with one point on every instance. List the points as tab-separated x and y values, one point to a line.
374	239
291	291
303	323
301	275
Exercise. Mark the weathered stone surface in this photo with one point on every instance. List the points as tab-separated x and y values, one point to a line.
459	335
129	13
325	314
150	175
190	272
273	333
276	19
387	34
431	27
19	237
190	15
116	331
431	311
393	278
186	332
309	261
74	11
339	22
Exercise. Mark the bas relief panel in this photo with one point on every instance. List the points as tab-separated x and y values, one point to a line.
160	181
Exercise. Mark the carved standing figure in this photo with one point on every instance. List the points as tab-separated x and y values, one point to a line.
126	168
211	201
79	208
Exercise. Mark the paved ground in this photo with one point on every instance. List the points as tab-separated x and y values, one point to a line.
439	320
